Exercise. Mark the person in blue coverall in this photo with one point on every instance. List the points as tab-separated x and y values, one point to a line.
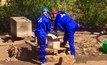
41	30
65	23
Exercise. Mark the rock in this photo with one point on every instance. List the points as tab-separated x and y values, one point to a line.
13	51
51	58
66	60
61	59
7	59
7	35
85	51
19	42
93	36
13	59
96	33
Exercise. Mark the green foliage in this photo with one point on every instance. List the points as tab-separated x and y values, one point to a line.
91	12
28	8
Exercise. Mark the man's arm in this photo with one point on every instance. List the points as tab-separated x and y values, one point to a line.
60	27
49	26
55	26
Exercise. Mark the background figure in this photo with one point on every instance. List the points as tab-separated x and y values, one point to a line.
43	26
66	24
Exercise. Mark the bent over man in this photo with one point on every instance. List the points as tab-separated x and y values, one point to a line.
65	23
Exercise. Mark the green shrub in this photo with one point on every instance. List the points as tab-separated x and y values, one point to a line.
89	12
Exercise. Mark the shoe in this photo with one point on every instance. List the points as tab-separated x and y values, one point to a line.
62	45
43	63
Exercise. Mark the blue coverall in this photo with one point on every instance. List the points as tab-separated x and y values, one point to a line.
65	23
43	26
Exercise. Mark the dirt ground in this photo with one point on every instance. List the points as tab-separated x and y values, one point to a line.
88	50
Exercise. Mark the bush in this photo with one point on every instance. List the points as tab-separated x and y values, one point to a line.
89	12
92	12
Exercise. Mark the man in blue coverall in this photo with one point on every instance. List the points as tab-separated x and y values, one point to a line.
65	23
43	26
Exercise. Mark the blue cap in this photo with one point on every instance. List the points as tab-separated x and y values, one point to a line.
45	10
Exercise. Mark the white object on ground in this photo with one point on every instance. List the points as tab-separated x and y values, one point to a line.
52	35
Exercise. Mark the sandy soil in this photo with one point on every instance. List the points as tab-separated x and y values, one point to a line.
88	48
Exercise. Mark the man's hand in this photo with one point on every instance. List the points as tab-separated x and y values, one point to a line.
54	33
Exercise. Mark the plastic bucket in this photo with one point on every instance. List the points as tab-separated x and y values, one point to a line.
105	46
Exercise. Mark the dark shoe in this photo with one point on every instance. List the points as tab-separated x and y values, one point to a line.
62	45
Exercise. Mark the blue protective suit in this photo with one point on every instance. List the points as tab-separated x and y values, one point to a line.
43	26
65	23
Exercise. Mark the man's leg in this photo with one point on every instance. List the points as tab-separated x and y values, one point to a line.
42	43
65	39
38	42
71	43
71	39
